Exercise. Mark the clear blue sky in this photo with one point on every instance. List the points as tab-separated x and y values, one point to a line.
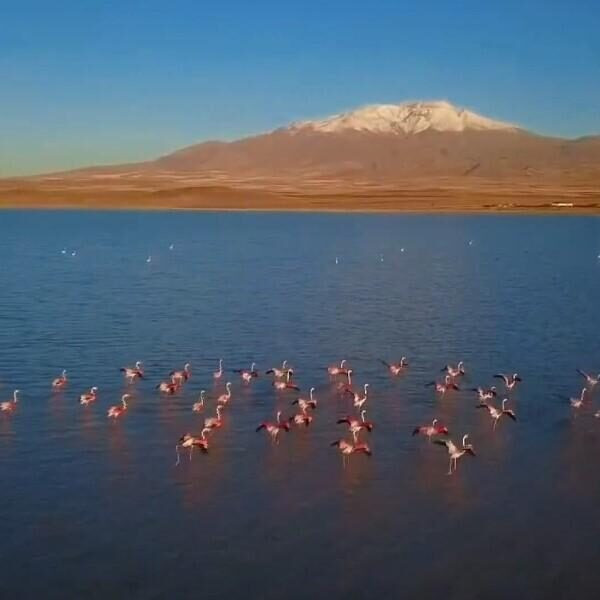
84	81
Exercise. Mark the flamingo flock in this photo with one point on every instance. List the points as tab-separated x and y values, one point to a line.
340	378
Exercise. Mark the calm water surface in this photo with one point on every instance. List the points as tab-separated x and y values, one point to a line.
97	509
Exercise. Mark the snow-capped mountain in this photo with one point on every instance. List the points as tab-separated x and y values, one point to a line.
387	143
405	118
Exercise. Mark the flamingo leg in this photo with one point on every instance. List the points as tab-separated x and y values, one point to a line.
450	467
191	450
177	452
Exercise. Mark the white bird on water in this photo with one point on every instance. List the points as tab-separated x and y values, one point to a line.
171	246
74	253
149	259
336	260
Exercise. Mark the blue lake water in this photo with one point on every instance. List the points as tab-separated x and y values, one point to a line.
97	509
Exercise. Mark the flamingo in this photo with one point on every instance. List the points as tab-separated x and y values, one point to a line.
10	405
181	376
88	397
190	441
198	406
431	430
496	413
133	373
168	387
442	388
288	384
218	374
396	368
303	404
279	372
510	381
273	429
360	400
248	376
213	422
60	382
346	387
457	371
485	395
302	418
335	370
117	411
346	448
355	425
590	379
454	452
578	402
224	398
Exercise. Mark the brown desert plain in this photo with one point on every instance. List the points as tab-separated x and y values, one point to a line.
429	157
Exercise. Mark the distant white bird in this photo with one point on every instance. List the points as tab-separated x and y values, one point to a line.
171	246
336	260
73	253
381	258
470	242
401	249
149	259
63	251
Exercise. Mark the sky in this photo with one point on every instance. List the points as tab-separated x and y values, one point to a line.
97	82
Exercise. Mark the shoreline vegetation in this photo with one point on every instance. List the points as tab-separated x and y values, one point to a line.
95	192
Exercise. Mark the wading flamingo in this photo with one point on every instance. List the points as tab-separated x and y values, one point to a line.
116	411
346	449
431	430
191	442
60	382
10	405
273	429
89	397
454	453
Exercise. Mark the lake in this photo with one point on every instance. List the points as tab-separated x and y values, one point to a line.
97	508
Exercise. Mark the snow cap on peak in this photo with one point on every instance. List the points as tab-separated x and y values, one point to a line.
405	118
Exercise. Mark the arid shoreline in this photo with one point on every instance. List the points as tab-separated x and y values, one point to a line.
155	194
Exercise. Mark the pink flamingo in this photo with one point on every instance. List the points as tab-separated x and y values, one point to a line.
431	430
10	405
287	384
273	429
224	398
396	368
454	453
116	411
133	373
191	442
60	382
303	404
213	422
89	397
442	388
355	425
335	370
218	374
346	448
198	406
181	376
